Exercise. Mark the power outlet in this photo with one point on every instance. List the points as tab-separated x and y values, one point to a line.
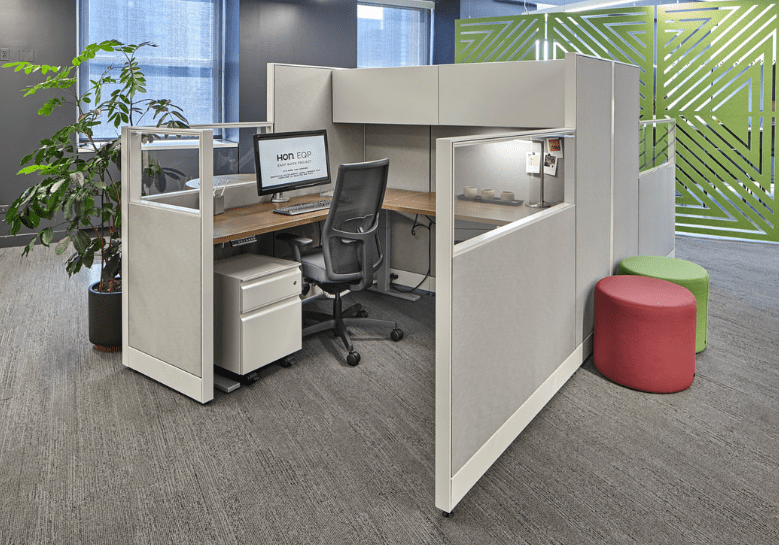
5	54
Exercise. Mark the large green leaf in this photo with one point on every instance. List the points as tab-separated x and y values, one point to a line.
46	236
80	241
62	245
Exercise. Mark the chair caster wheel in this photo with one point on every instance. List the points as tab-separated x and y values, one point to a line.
353	358
396	334
362	314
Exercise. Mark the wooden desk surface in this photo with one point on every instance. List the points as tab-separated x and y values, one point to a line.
257	219
492	214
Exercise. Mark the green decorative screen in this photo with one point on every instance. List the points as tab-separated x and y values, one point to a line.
495	39
715	77
624	35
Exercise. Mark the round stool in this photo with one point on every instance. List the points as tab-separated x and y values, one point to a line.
691	276
645	333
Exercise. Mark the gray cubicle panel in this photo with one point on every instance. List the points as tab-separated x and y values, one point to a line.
625	190
167	274
505	324
408	147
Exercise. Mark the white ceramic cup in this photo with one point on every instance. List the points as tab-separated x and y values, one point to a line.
507	195
487	194
469	191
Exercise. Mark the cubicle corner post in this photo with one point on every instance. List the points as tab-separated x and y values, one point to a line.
206	159
270	99
168	275
131	150
443	324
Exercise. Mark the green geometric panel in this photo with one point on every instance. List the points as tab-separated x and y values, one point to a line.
653	145
495	39
715	77
622	34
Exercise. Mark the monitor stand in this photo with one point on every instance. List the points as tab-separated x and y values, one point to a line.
279	197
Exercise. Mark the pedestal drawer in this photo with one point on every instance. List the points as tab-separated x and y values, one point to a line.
269	288
270	333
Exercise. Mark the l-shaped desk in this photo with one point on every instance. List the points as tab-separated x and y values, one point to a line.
258	219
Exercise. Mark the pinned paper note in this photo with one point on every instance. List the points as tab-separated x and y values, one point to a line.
533	163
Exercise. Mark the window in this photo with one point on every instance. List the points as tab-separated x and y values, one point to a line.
185	67
394	35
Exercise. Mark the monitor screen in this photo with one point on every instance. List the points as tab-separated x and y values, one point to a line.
291	160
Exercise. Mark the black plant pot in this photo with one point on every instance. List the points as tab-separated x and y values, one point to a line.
105	319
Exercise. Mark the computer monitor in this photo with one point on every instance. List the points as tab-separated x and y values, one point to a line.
290	160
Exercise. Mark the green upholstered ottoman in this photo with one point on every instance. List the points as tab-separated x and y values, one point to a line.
686	274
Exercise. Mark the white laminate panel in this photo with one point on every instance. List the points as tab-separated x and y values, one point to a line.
593	184
570	89
626	112
503	94
657	211
165	289
406	95
303	100
512	324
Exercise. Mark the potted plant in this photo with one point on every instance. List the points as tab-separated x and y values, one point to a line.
81	187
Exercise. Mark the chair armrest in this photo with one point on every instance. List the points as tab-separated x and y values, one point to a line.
296	242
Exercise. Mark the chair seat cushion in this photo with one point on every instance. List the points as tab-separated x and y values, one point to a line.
313	265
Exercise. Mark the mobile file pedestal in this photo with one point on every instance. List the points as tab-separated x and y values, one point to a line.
257	311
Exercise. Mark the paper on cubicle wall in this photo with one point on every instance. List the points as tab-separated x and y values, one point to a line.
533	163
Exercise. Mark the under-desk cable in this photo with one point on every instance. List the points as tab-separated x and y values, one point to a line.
429	252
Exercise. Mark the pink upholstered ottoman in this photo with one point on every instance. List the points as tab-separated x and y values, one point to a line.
645	333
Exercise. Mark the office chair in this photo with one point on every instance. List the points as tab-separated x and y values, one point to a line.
349	253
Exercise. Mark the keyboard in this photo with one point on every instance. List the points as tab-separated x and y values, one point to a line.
303	207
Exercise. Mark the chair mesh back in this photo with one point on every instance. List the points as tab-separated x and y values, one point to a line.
356	203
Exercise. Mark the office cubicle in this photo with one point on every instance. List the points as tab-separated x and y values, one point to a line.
521	286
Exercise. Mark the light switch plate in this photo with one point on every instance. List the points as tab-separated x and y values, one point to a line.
27	55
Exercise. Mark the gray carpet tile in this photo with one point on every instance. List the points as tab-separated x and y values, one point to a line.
320	452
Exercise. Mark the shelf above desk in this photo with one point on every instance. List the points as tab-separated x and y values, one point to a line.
256	219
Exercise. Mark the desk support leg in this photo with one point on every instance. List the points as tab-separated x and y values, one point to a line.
383	280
